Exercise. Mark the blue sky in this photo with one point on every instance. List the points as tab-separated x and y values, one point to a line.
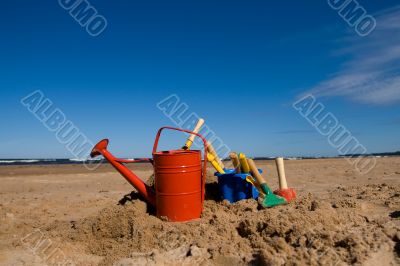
238	64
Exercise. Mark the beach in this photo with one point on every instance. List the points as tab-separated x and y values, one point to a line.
67	214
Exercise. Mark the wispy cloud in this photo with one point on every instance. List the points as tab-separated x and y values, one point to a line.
372	74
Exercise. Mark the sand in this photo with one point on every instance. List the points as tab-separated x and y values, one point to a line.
71	216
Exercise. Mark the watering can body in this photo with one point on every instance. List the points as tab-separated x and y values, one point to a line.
178	192
178	184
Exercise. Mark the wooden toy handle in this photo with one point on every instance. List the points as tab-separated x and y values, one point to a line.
254	170
235	161
196	129
212	151
281	173
243	163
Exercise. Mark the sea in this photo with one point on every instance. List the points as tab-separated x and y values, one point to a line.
86	161
45	161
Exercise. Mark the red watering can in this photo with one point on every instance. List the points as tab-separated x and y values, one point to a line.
179	177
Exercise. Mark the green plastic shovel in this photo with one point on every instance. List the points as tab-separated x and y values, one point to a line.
269	199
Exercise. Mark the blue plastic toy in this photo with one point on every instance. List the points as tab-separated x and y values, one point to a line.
234	187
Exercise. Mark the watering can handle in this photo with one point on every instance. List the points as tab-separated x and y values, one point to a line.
203	179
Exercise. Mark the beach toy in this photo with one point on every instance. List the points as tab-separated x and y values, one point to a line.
215	156
179	177
215	164
234	187
234	184
191	137
288	193
254	183
235	162
212	156
243	163
268	199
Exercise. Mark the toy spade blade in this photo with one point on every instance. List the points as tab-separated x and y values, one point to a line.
284	191
270	199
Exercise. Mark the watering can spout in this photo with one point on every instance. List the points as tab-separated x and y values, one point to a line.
146	191
102	145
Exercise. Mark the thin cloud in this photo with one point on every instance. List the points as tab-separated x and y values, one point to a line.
372	74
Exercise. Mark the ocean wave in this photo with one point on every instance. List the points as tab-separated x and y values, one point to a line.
6	161
77	160
84	160
19	161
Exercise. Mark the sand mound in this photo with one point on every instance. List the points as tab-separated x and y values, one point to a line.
331	231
